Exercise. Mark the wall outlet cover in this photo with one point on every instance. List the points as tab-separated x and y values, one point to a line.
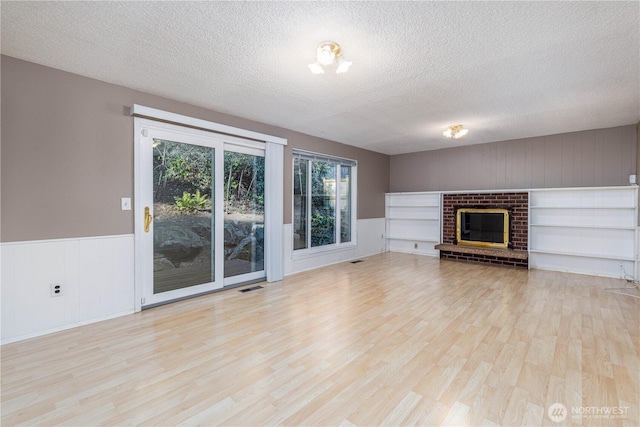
56	290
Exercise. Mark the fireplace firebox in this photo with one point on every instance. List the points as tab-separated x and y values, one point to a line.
487	228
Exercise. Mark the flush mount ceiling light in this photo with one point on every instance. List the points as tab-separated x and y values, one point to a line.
455	132
327	54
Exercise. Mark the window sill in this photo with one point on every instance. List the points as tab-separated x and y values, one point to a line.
299	254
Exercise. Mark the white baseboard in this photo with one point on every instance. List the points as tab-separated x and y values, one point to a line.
64	327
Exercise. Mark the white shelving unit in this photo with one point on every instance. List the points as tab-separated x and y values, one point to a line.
413	222
584	230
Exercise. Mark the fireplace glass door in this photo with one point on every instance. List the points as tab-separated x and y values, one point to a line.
483	227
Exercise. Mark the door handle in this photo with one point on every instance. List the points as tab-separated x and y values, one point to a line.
147	219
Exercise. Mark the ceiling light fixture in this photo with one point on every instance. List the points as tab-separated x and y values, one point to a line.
327	54
455	132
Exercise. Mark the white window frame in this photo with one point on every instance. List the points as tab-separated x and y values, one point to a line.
337	246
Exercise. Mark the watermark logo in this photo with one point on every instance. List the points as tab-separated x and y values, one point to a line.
557	412
599	412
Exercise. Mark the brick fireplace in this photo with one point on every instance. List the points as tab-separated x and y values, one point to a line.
517	203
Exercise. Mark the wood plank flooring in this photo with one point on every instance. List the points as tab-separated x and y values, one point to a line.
395	340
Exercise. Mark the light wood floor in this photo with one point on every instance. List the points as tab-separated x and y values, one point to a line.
394	340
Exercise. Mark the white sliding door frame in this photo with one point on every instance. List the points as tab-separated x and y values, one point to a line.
274	179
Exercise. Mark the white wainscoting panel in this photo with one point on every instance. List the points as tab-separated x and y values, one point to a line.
370	241
371	237
96	275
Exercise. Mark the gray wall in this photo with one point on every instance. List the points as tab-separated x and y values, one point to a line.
67	154
602	157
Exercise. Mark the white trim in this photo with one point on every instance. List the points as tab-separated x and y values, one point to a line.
326	264
246	277
322	250
68	239
141	110
636	264
64	327
274	212
244	149
611	187
320	157
354	205
140	275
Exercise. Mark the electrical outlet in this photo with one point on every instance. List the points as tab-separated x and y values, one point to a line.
56	290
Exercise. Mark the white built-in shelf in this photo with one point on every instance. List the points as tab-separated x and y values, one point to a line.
412	239
413	222
584	230
582	254
590	227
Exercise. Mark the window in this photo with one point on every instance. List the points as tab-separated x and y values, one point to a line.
323	200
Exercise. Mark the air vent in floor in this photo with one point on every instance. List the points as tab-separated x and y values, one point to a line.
251	289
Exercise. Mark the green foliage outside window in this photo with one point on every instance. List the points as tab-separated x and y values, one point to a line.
187	169
193	202
243	187
322	227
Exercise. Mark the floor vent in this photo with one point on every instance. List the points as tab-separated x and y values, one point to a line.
251	289
356	261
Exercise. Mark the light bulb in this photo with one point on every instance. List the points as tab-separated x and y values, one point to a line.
343	65
325	55
316	68
462	132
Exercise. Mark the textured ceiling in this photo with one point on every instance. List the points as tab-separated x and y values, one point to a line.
503	69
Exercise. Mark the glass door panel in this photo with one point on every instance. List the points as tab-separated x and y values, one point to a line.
243	216
179	204
184	226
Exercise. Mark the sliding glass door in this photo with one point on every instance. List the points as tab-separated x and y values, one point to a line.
199	213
